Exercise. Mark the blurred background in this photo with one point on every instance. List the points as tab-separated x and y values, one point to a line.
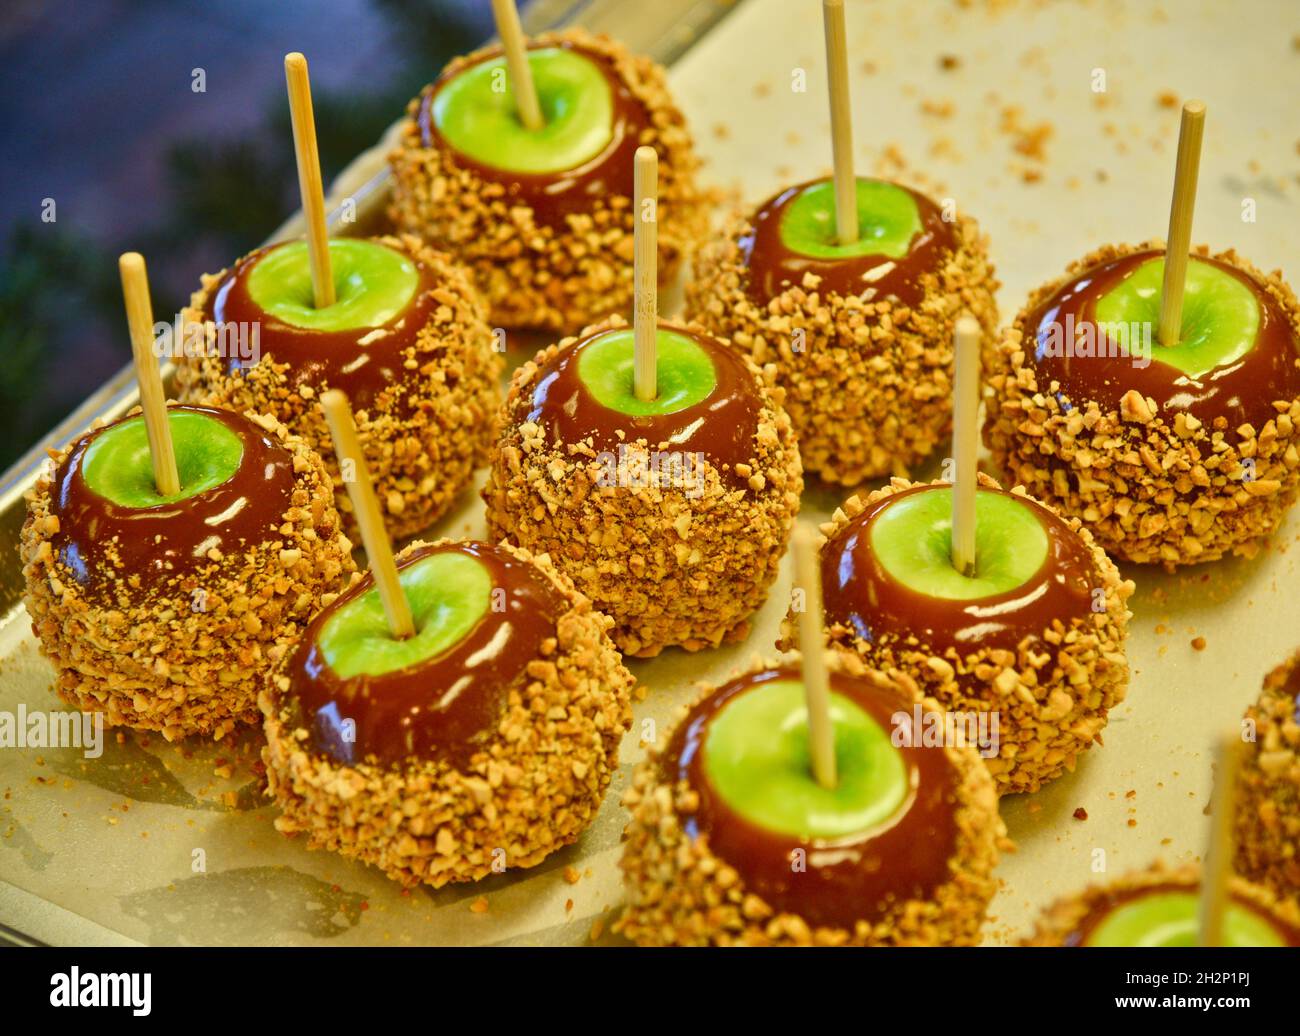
108	144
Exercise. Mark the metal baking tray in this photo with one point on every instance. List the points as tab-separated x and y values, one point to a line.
168	844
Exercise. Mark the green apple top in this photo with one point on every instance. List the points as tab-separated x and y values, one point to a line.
116	529
593	121
1095	334
475	113
902	237
756	757
372	282
706	408
888	572
384	298
480	614
1169	917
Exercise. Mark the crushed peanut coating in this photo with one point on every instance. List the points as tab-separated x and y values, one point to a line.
1268	788
869	382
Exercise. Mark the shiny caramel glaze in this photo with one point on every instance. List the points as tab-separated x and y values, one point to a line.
445	708
721	427
773	267
861	594
333	359
109	549
1240	392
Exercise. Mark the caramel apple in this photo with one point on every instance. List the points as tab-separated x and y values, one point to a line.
733	841
672	513
851	286
167	611
1153	392
542	217
405	338
1171	454
859	334
1033	635
483	741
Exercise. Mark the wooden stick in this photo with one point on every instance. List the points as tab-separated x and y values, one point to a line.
309	180
837	70
965	437
1180	222
139	318
1217	869
816	683
521	73
645	314
374	536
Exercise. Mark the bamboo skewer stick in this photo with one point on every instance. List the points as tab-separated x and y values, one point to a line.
374	536
966	402
521	73
139	318
816	682
1216	871
837	71
1180	222
645	313
309	178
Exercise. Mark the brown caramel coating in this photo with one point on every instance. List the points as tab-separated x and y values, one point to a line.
681	892
119	555
1238	393
529	789
860	594
1068	921
1268	787
316	358
424	431
721	427
774	268
671	565
870	389
185	652
1153	485
532	272
1052	689
443	708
